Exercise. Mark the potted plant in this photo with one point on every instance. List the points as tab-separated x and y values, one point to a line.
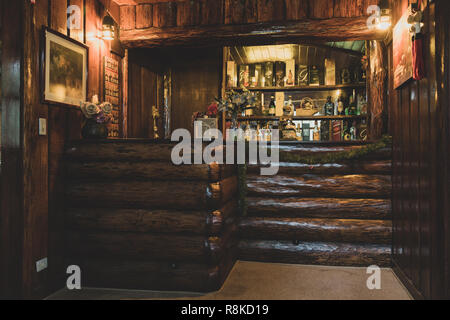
97	118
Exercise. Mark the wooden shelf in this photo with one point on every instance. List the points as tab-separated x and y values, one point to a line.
272	118
307	88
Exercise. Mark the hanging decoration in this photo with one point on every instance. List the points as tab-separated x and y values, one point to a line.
415	20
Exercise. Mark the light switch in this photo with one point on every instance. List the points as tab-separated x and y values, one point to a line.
41	265
42	127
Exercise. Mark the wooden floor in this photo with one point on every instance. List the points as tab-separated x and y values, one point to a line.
270	281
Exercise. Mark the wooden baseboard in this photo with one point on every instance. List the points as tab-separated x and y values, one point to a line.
409	285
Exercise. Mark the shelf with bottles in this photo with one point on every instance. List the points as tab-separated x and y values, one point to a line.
318	117
322	131
293	67
361	85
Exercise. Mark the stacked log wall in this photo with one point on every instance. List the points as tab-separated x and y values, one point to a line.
327	214
136	221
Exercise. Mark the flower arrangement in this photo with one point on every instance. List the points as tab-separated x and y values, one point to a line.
101	114
211	112
97	117
235	103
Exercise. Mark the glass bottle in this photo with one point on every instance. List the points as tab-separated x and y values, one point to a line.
329	107
272	107
316	131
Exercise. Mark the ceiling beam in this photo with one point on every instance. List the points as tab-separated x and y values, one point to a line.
335	29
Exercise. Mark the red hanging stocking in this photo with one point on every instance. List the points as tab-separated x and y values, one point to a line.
417	55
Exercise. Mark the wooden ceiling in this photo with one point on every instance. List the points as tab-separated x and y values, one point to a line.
303	54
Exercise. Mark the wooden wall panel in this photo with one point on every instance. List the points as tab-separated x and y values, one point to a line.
321	9
196	82
188	13
164	14
145	74
38	189
271	10
144	16
296	9
35	156
11	177
128	17
240	11
212	13
420	125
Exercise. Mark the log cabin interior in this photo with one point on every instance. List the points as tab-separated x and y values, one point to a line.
361	108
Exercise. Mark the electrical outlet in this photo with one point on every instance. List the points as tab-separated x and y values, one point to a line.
42	127
41	265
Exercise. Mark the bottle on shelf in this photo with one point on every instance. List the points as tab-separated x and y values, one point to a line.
353	135
268	74
289	107
299	132
352	108
329	107
316	131
272	107
340	106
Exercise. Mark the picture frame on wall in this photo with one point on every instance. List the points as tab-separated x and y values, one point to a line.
402	47
64	69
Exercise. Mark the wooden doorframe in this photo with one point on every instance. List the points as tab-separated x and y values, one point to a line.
11	174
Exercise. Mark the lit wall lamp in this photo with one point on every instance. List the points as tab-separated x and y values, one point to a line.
108	28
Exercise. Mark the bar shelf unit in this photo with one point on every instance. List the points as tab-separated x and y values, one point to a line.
361	85
301	118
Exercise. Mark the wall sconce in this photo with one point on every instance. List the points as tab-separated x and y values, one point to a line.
108	28
385	19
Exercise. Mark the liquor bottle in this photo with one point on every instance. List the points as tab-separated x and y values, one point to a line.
299	132
272	107
280	73
244	75
336	130
268	133
289	109
247	132
329	107
268	74
341	108
314	76
302	75
352	108
306	132
316	132
353	132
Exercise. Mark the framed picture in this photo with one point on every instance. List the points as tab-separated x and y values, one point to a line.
64	69
402	46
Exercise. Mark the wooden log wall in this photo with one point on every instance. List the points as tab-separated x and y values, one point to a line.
224	21
171	227
38	188
419	113
331	214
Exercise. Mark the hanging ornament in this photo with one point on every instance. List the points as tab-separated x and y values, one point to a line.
415	20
